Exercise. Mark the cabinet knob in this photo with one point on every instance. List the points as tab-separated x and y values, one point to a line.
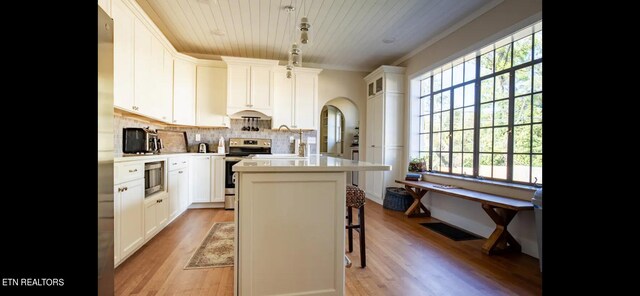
184	162
125	189
179	172
174	163
174	121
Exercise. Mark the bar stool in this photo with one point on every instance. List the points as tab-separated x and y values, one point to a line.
356	199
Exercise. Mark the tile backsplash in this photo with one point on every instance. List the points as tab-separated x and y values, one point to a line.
279	139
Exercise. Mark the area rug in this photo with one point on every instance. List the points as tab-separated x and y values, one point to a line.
451	232
216	250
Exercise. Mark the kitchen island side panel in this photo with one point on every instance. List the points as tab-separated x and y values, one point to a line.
291	233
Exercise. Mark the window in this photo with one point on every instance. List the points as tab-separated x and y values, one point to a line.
338	127
481	115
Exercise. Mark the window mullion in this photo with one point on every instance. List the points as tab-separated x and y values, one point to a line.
431	125
451	99
476	122
510	131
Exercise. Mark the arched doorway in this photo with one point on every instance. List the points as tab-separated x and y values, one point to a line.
339	128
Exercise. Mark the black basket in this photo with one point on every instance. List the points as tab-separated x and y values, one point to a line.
397	199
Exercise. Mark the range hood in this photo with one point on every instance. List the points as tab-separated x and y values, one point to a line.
249	113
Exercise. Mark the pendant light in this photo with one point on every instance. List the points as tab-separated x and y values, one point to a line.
304	29
289	67
296	55
304	25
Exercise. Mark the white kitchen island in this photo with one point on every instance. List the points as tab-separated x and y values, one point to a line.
290	225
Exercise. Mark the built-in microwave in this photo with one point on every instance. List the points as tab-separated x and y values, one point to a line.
153	177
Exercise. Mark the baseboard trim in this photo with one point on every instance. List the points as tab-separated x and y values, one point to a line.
206	205
376	200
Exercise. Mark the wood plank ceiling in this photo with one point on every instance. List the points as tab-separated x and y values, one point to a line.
344	34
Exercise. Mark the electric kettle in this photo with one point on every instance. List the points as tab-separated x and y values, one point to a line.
202	148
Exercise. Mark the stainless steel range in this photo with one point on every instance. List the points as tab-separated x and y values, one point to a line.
239	149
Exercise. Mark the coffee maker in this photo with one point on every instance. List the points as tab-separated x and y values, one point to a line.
202	148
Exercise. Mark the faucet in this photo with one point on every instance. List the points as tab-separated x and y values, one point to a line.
301	146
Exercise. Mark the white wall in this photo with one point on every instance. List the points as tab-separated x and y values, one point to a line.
349	85
351	120
504	19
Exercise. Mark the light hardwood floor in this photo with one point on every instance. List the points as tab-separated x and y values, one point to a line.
403	258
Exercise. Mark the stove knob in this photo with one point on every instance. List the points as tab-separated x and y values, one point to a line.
267	143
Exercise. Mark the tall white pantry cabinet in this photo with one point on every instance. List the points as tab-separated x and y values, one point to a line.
384	134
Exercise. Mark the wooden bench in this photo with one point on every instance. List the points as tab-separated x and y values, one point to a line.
501	210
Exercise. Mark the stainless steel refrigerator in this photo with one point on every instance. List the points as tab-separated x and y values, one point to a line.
105	154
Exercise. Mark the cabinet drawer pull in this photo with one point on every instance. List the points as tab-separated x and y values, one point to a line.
179	172
174	163
184	162
133	171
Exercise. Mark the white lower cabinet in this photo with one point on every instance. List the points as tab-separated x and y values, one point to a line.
217	178
178	191
207	179
156	214
129	213
138	219
201	179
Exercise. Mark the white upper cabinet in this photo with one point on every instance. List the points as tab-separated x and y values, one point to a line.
123	47
211	96
249	84
305	111
282	99
184	93
142	65
167	87
295	99
238	86
260	98
106	6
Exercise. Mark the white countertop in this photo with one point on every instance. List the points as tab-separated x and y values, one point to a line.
160	156
314	163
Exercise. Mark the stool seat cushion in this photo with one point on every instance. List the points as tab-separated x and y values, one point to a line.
355	196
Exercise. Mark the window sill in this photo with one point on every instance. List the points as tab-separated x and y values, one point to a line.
487	182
